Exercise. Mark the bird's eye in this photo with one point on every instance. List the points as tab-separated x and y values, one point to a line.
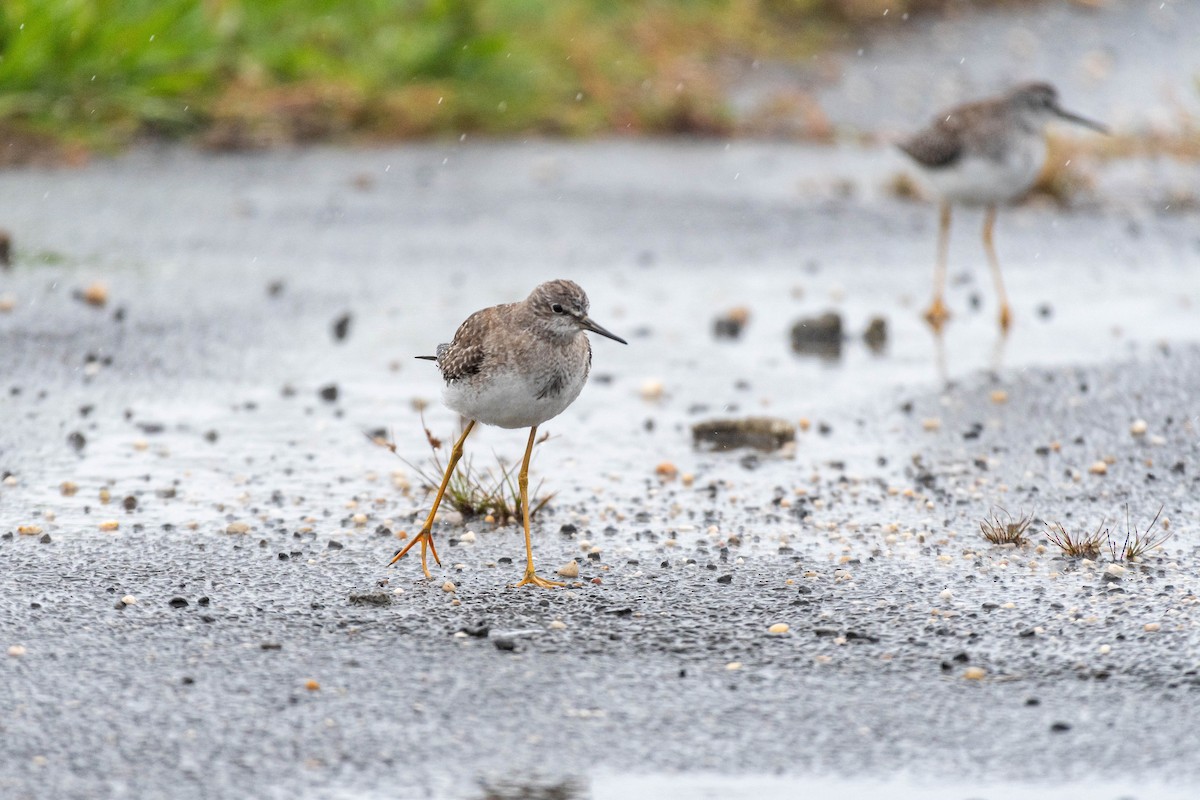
556	308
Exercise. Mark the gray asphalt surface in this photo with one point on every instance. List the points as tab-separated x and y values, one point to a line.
286	660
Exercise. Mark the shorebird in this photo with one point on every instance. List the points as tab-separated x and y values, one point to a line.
983	154
514	366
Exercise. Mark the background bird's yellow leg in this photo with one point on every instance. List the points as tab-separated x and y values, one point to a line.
531	577
989	222
937	313
425	537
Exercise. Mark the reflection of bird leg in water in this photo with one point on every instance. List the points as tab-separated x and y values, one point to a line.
998	350
939	353
5	249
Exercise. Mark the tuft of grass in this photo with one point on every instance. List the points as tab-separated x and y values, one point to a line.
1063	179
251	73
1138	543
473	492
1082	545
1002	528
903	186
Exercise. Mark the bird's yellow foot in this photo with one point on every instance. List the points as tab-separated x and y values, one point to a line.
1005	318
532	579
426	540
937	314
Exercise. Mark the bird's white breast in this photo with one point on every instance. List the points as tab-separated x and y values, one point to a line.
976	180
509	399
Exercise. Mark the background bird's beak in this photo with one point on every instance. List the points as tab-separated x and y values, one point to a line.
587	323
1078	120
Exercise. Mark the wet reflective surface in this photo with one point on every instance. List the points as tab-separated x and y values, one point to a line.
253	518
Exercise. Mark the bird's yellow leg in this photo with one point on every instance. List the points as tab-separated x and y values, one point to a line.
937	314
425	537
989	223
531	578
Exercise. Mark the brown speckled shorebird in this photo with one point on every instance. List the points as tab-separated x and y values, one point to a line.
985	153
514	366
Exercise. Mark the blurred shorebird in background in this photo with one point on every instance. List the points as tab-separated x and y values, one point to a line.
983	154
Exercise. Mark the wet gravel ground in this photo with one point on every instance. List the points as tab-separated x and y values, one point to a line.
238	634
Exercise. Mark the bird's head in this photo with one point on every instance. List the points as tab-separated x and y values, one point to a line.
561	306
1038	104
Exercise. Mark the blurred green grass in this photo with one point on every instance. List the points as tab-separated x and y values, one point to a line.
244	73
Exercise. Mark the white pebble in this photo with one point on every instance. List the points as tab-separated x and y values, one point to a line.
1151	627
557	625
468	537
569	570
652	389
778	629
16	650
129	600
1138	428
1115	570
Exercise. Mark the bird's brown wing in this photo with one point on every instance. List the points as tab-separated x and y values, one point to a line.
465	354
938	145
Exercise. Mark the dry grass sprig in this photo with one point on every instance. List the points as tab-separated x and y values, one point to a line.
473	492
1138	543
1082	545
1002	528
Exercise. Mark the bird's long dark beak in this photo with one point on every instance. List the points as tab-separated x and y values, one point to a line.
587	323
1078	120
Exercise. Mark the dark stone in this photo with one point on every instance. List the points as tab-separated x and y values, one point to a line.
731	324
341	327
819	336
505	644
760	433
77	441
876	335
725	579
177	602
329	393
370	598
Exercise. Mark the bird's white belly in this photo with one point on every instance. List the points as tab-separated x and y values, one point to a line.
981	181
509	400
